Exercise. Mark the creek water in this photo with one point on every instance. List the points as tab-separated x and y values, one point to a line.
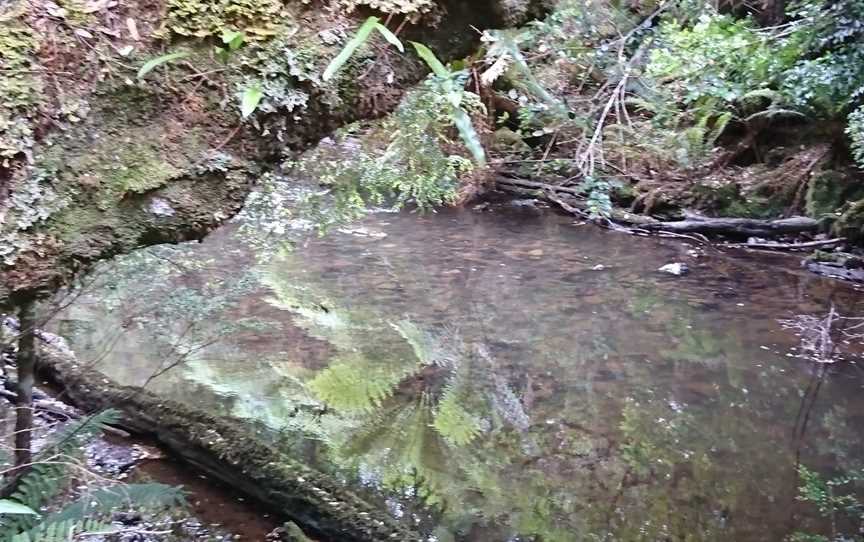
500	375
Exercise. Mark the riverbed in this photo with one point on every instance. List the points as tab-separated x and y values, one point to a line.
499	373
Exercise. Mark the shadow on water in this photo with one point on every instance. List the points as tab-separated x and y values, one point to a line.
499	375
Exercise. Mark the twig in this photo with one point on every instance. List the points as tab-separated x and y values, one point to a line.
789	246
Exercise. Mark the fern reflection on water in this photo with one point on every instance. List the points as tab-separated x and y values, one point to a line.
495	375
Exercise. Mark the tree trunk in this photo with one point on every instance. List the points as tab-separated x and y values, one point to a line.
26	362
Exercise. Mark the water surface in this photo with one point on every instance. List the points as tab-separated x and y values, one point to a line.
501	375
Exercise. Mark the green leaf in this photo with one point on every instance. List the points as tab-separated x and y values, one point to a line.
154	63
12	508
351	47
429	57
233	39
469	135
250	100
390	37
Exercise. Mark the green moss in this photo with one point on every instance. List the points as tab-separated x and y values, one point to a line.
20	85
202	18
851	222
76	11
828	191
139	169
723	199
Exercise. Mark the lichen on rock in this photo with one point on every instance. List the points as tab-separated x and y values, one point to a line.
20	83
202	18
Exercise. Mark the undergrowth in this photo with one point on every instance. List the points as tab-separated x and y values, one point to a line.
48	480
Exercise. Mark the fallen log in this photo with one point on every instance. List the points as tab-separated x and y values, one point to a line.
228	450
790	246
739	227
524	187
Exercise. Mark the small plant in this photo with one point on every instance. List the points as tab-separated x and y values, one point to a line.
855	131
836	500
597	196
232	40
372	24
250	100
452	85
154	63
47	480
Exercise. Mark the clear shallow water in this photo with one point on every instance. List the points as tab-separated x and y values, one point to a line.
499	375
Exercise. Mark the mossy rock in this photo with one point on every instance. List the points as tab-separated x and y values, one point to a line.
258	19
20	85
828	191
851	222
506	140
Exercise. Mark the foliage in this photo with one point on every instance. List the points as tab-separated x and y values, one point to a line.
719	57
11	508
451	85
836	500
49	476
250	100
353	386
360	38
855	131
829	76
232	40
414	167
597	196
154	63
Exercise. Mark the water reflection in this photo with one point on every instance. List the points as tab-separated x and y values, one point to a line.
487	379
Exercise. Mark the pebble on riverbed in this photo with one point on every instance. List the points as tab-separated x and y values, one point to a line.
678	269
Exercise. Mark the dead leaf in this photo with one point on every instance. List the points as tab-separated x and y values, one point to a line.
96	5
133	29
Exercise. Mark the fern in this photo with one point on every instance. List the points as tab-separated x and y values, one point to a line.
360	38
102	501
452	86
49	475
64	531
453	422
353	386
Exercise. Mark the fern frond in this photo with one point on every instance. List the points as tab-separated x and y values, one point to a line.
106	500
47	477
63	531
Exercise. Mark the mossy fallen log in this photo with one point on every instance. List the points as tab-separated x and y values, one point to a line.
227	450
